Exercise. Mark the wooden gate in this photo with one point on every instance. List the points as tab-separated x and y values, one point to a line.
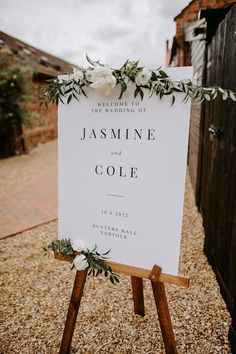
218	166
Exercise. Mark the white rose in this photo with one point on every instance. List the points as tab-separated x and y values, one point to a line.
88	75
102	79
78	245
80	262
143	77
77	74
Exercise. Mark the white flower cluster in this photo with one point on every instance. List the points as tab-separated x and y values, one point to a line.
80	262
101	78
143	77
78	245
77	74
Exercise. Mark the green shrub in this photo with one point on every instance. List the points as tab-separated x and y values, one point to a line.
14	91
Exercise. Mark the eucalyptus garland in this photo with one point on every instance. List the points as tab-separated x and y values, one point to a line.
92	261
103	78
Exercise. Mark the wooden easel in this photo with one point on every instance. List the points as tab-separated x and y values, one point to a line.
157	280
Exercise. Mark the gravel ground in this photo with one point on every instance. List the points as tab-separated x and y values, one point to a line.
35	292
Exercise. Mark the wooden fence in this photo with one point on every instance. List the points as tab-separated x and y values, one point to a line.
216	178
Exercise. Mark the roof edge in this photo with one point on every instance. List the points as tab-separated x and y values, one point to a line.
41	52
182	11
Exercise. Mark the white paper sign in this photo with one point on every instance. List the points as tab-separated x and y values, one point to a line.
122	166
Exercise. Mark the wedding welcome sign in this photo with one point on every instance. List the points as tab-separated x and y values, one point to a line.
122	166
123	137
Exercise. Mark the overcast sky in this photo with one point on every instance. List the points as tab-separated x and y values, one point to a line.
110	30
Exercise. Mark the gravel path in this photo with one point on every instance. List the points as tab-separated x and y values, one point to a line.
35	292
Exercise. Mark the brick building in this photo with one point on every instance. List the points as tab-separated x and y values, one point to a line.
42	123
179	54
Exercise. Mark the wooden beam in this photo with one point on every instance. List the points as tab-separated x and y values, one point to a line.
136	272
137	291
73	309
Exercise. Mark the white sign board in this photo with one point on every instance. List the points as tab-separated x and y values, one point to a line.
122	166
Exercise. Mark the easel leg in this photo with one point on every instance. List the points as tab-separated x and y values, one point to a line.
75	300
164	317
137	290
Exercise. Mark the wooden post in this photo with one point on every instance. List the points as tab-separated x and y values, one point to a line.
74	305
163	311
137	290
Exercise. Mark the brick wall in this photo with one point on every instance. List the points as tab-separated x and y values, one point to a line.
41	124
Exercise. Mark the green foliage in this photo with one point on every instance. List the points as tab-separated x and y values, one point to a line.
61	90
97	265
62	246
160	84
96	260
13	89
13	95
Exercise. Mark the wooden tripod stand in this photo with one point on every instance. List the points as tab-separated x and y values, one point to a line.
137	290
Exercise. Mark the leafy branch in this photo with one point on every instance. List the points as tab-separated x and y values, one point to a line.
95	264
61	246
157	83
